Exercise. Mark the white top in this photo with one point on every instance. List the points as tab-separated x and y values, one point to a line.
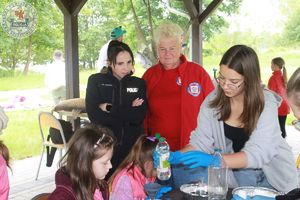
3	120
102	60
55	76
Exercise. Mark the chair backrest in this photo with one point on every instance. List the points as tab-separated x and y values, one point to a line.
43	196
47	119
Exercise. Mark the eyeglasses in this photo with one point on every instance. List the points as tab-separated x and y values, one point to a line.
233	86
296	124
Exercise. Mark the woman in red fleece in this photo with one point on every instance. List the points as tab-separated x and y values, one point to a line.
277	83
175	89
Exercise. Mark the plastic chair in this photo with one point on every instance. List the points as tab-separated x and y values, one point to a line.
47	120
42	196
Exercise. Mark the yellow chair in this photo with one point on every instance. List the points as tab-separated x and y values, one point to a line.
47	120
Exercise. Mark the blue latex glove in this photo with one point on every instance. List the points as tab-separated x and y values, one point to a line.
162	191
196	159
173	159
256	197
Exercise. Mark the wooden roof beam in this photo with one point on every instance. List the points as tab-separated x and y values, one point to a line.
210	8
72	7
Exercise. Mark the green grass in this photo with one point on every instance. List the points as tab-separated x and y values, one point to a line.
22	135
21	82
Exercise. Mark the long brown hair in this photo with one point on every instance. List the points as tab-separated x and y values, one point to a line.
141	152
86	145
293	87
281	64
244	61
5	153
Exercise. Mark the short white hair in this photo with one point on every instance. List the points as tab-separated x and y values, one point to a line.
167	30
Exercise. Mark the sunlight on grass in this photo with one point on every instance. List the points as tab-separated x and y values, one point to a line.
22	134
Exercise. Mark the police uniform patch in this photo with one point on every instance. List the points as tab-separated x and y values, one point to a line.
194	89
178	81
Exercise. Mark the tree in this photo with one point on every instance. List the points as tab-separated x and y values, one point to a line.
156	12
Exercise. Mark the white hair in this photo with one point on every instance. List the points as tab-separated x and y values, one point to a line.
167	30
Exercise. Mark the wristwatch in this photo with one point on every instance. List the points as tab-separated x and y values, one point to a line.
108	107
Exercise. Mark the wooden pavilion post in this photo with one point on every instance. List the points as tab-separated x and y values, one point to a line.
197	15
70	10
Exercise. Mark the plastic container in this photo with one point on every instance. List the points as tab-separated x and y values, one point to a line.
217	178
251	192
163	152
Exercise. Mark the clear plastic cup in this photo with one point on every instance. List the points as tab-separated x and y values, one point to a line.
152	189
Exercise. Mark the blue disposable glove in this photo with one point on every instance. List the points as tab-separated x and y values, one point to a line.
162	191
196	159
173	159
256	197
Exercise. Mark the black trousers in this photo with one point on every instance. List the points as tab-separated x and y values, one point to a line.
282	120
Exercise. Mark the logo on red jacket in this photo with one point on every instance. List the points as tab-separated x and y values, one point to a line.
194	89
178	81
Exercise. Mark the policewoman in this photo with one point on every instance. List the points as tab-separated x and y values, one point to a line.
175	89
117	100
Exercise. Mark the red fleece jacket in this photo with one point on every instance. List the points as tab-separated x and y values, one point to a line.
195	85
277	85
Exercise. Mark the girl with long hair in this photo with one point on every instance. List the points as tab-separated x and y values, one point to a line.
293	93
240	120
85	165
277	83
135	171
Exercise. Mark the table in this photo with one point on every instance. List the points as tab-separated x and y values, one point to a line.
178	195
72	116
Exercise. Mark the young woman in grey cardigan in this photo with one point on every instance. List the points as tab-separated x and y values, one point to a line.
240	119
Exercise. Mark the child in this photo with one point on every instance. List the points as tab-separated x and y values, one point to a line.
293	93
84	166
277	83
135	171
4	160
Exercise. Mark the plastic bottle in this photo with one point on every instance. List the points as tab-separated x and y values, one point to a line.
217	178
163	152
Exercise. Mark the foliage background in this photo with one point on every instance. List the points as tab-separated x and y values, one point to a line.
23	61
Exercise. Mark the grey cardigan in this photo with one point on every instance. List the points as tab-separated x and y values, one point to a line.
265	149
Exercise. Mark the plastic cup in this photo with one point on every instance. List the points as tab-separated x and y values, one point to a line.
217	183
152	189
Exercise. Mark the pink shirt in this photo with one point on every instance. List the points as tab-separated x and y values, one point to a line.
129	184
4	183
98	195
